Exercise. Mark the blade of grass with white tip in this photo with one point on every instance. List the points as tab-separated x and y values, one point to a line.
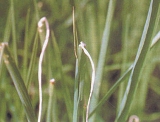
82	45
65	90
139	61
102	57
19	83
50	102
49	61
40	24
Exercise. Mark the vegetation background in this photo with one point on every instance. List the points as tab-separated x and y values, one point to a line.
18	27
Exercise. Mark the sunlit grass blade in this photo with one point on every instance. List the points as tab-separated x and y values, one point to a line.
102	57
76	103
82	45
45	43
77	56
19	83
139	61
125	38
155	39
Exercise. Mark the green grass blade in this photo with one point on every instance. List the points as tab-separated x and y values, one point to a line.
125	48
32	61
75	108
13	24
36	10
19	83
102	57
26	47
139	61
8	27
50	102
110	92
65	90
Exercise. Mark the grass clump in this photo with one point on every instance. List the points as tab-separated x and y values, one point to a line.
120	74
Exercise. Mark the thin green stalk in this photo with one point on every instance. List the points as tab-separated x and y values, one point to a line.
77	73
19	83
125	42
102	57
32	61
7	28
76	102
14	32
139	61
50	102
26	46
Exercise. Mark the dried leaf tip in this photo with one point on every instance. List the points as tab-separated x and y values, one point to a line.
52	81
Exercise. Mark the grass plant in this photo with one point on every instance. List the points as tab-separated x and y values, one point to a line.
102	56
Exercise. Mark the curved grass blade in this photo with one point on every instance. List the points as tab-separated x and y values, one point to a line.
19	83
139	61
40	24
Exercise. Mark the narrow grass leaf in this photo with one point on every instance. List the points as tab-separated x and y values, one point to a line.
7	30
13	24
102	57
19	83
77	55
26	47
50	102
139	61
32	61
36	10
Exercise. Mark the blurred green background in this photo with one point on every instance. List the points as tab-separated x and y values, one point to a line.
90	15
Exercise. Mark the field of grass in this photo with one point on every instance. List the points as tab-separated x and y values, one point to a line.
94	60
